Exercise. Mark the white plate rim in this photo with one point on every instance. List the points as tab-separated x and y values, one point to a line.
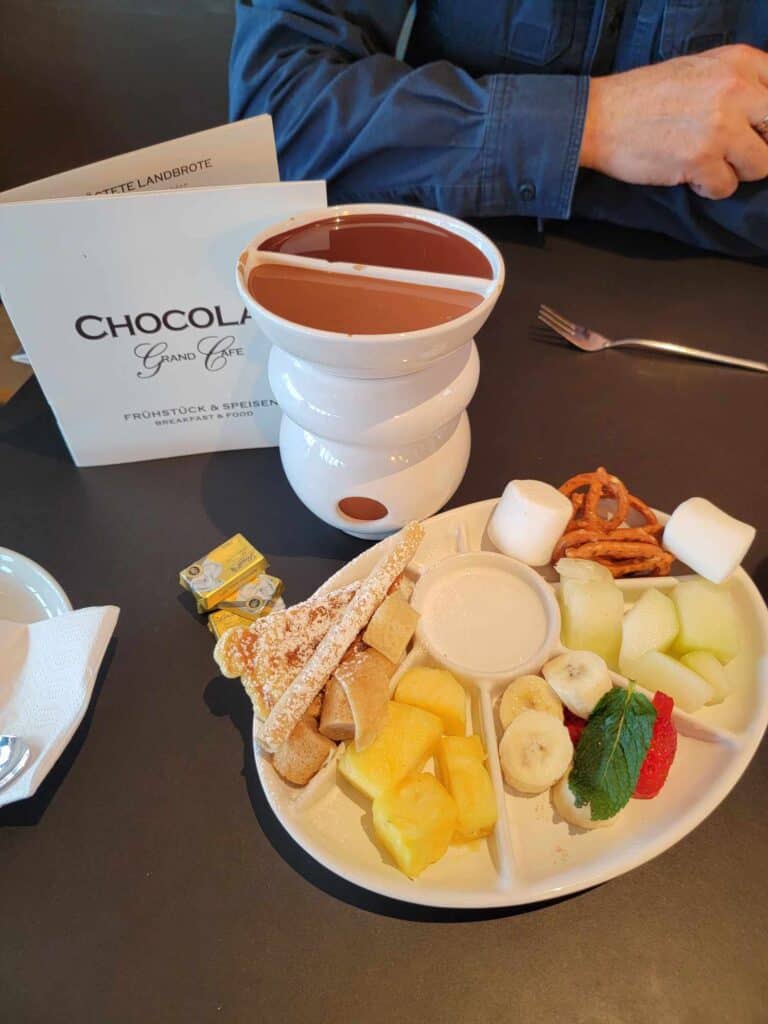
404	890
37	570
69	727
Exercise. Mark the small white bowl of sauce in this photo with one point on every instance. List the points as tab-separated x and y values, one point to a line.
486	616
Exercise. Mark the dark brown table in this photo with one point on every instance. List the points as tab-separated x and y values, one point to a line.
148	880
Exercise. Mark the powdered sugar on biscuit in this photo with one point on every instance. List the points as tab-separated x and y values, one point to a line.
294	702
269	654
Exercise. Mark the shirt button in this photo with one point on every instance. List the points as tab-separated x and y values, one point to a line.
527	191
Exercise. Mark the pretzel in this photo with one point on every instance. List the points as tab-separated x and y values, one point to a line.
573	538
614	550
654	529
596	483
645	510
656	566
624	550
576	522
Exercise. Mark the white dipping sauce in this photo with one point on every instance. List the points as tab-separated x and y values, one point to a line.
484	619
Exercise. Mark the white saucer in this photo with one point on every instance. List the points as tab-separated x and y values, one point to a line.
27	592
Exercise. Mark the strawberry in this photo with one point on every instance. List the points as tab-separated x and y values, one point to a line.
661	752
574	725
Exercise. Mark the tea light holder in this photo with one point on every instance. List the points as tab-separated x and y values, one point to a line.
375	431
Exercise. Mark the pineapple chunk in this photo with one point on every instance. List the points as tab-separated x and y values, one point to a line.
460	763
407	739
436	690
414	821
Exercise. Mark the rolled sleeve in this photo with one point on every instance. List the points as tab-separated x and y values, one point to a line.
536	123
378	130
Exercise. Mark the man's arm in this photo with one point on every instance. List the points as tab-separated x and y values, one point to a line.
737	227
346	110
687	122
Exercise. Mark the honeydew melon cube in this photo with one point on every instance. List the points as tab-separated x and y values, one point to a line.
705	664
592	615
709	619
649	625
657	671
583	569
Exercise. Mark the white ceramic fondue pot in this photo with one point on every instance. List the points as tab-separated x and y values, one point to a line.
375	431
400	446
374	355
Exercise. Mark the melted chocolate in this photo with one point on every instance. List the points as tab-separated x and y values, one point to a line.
383	240
354	304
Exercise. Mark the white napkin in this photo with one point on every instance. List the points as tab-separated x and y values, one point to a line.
47	672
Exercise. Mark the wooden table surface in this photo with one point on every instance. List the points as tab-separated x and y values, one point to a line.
148	880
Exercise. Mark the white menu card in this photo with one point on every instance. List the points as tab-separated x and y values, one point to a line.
125	302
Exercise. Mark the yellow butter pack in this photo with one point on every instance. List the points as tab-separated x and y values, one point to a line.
219	622
218	574
255	597
224	618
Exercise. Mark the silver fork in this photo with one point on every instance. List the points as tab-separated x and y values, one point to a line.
591	341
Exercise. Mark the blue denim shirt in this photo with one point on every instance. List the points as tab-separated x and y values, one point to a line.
476	107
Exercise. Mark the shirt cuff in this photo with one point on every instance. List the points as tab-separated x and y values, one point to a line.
532	144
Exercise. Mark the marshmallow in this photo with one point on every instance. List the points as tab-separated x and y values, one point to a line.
707	539
529	520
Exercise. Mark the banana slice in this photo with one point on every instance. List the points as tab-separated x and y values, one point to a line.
529	693
579	678
535	751
565	804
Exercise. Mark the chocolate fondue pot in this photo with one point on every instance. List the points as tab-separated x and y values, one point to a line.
372	310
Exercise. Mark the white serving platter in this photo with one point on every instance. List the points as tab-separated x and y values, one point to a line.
533	854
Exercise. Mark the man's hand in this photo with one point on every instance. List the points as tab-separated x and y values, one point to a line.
686	121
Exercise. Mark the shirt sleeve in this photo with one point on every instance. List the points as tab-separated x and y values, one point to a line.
737	226
346	110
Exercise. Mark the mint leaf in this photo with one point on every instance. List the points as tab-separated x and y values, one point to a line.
611	752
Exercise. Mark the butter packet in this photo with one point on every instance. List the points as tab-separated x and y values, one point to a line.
223	619
219	622
219	573
254	598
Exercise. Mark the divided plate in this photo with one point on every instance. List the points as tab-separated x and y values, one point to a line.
532	854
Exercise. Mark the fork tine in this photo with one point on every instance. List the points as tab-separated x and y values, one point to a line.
560	331
550	316
543	308
557	326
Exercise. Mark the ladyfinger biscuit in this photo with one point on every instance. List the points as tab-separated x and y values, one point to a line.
295	701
